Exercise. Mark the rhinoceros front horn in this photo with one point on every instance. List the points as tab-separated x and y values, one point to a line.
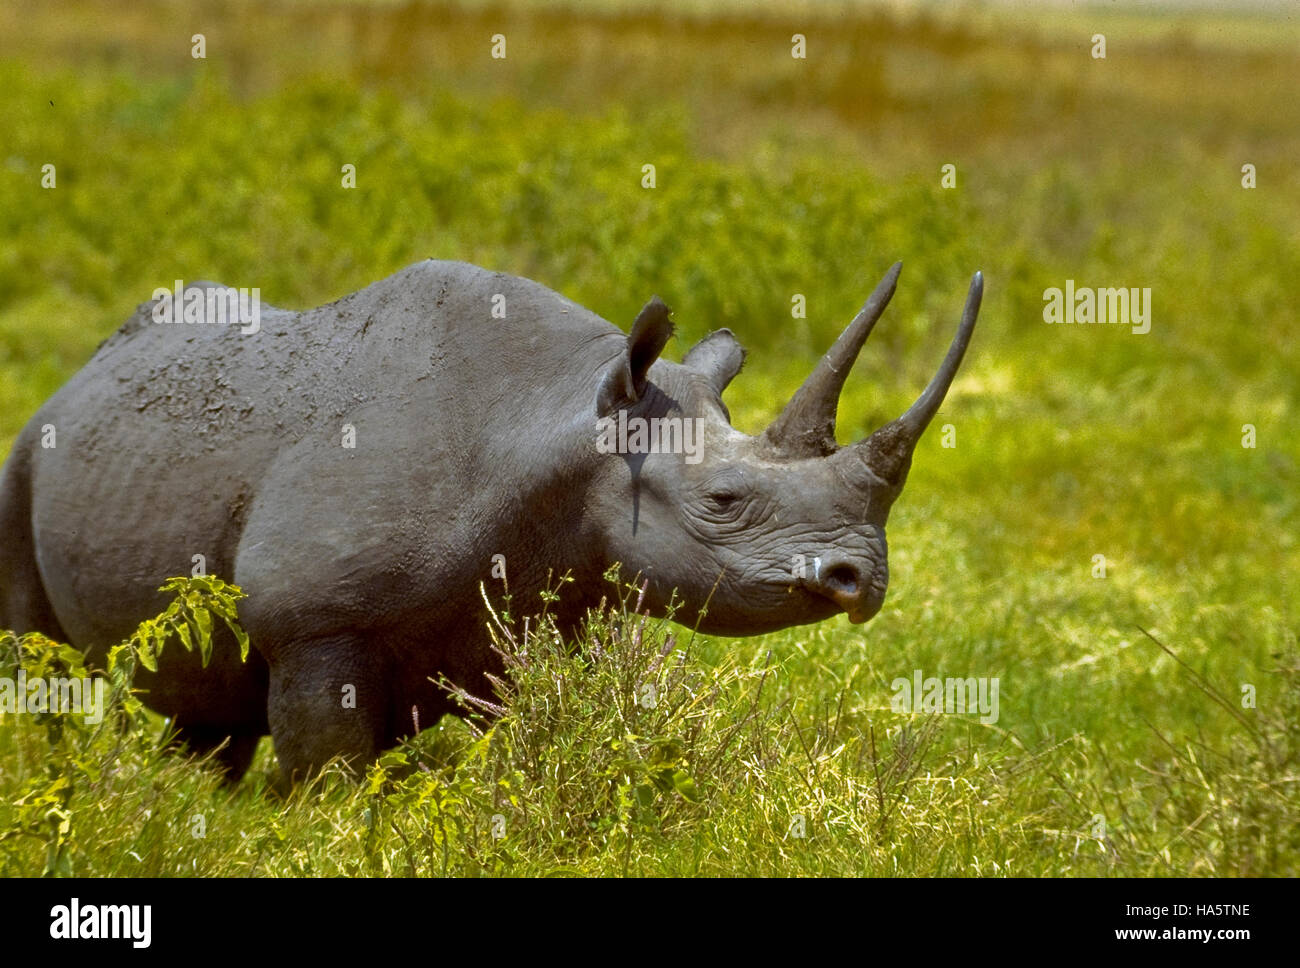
888	451
806	426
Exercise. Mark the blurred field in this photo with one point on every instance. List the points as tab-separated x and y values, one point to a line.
777	176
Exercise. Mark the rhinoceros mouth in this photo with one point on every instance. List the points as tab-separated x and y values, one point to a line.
859	608
861	614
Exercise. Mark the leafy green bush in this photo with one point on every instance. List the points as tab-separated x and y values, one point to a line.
79	755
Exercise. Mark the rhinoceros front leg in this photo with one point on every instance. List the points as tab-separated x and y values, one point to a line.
328	698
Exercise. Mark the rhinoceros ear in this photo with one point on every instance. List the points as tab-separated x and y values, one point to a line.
718	358
624	381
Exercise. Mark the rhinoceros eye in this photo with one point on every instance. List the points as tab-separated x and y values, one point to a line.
725	501
726	493
722	500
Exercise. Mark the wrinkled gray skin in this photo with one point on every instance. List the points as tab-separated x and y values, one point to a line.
475	437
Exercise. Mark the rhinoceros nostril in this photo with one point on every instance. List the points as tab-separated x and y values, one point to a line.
842	579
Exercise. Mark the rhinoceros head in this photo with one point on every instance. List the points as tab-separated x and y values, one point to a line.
754	533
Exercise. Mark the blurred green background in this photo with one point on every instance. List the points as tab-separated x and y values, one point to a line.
778	176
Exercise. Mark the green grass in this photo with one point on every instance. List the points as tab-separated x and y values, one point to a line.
775	177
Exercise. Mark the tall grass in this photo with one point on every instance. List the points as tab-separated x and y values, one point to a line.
624	753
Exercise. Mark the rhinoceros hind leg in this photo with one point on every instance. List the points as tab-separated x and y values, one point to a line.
24	605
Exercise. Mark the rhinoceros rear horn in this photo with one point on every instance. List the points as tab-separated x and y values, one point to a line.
806	427
625	378
888	451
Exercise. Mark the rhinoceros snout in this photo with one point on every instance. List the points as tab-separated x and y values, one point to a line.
858	587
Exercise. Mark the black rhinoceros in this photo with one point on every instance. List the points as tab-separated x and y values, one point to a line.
358	468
